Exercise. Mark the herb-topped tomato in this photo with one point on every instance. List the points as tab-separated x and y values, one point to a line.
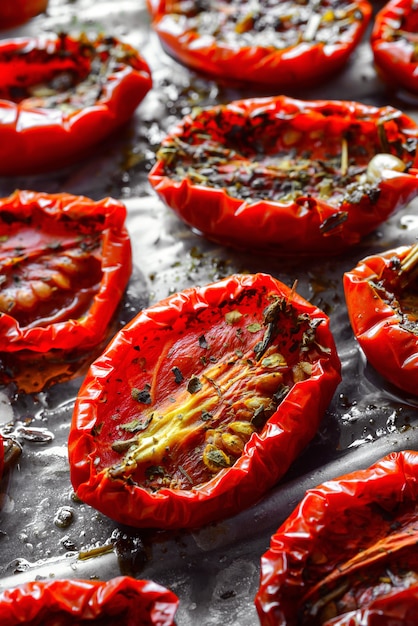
275	44
15	12
382	300
394	43
347	554
61	95
122	600
201	403
284	176
65	262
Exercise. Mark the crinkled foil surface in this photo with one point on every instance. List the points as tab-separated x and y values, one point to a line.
44	531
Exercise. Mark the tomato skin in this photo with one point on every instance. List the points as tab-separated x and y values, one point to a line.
167	334
16	12
64	134
393	55
390	348
319	537
54	214
306	63
396	609
309	223
130	601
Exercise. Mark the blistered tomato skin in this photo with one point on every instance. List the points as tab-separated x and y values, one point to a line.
61	95
394	46
282	45
201	403
381	297
16	12
284	176
347	554
65	262
123	599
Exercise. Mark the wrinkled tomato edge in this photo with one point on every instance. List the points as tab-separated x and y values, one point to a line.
116	259
266	456
145	601
391	349
284	565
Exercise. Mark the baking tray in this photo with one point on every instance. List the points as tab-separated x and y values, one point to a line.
44	531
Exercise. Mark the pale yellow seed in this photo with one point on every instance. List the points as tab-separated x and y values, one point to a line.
61	281
41	289
25	298
243	429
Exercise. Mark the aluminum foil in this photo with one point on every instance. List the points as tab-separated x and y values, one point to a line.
46	532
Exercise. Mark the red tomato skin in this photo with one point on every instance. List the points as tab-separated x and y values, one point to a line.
286	566
287	228
146	603
266	456
16	12
393	59
116	264
35	139
391	349
306	63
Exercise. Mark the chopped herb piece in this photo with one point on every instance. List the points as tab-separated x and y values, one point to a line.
142	395
194	385
178	376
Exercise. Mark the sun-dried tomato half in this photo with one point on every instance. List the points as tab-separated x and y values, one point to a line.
201	403
281	175
61	95
347	554
394	43
283	44
123	600
65	262
382	301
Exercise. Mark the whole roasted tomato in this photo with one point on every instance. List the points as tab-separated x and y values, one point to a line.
276	44
122	600
382	300
65	262
347	555
60	95
15	12
395	45
283	176
200	404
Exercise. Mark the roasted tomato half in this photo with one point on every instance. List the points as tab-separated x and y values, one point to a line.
15	12
382	300
394	43
200	404
347	555
60	95
285	176
65	262
276	44
122	600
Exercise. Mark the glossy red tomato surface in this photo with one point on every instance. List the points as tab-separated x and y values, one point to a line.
394	44
61	95
201	403
285	176
281	45
122	600
382	301
347	554
65	262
